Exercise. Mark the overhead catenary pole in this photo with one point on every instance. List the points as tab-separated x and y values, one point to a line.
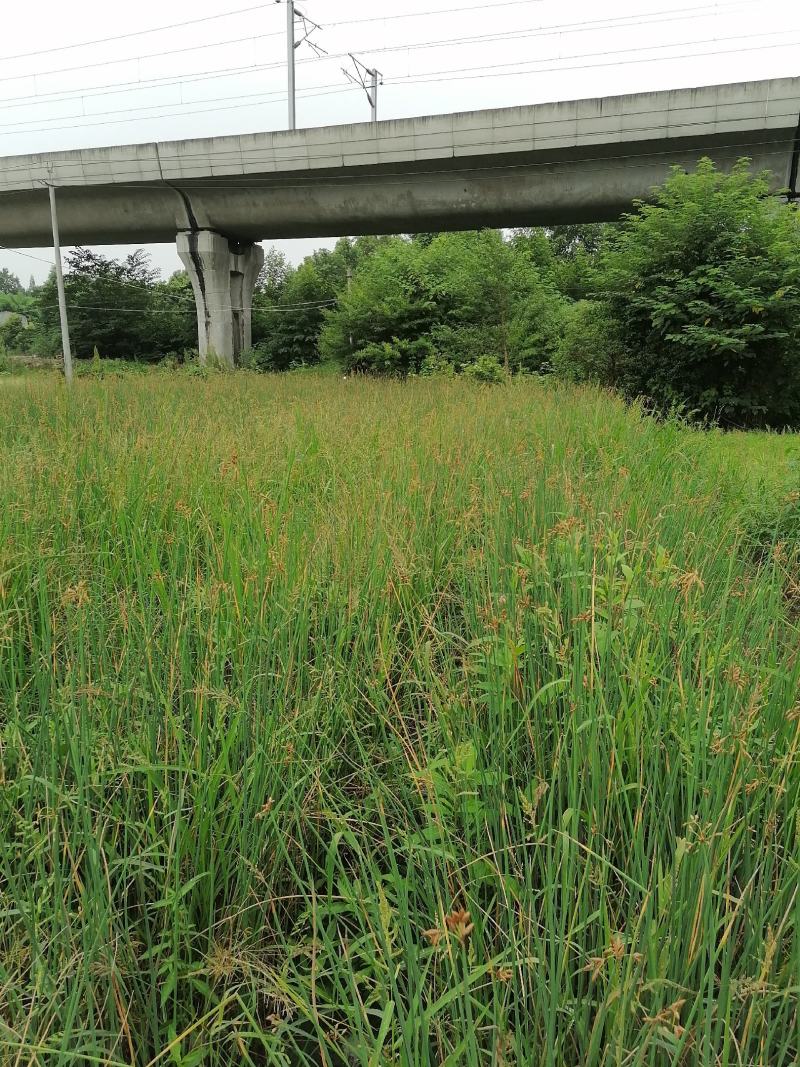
62	298
292	44
373	99
370	88
290	49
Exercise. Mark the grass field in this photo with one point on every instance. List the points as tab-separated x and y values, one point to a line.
368	723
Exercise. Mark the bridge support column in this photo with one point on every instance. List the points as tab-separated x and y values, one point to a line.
223	274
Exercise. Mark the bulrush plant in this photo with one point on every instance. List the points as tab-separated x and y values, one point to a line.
378	723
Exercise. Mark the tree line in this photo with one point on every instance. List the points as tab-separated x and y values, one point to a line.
691	301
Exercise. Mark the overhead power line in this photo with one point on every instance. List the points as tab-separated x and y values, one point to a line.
431	11
136	59
634	20
280	308
524	34
468	73
271	97
642	19
135	33
189	304
248	10
261	95
58	96
449	74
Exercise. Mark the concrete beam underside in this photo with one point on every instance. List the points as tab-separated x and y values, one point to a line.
223	274
530	189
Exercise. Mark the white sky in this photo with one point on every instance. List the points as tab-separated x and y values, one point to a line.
227	75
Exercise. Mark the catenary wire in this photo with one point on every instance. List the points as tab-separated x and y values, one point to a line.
242	11
136	33
261	95
282	308
199	111
257	7
463	74
441	43
642	19
265	7
109	88
136	59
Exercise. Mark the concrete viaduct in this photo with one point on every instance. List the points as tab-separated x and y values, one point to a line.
574	161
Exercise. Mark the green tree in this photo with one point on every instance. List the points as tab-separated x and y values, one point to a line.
273	275
336	267
21	303
286	331
290	303
9	283
120	308
170	324
387	302
702	290
575	239
13	333
460	296
565	254
534	243
592	344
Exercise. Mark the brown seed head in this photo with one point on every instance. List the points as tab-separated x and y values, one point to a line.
458	923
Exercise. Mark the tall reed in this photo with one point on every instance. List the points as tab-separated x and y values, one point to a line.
367	723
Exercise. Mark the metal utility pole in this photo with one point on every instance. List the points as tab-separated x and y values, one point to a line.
290	59
292	44
373	96
371	88
62	298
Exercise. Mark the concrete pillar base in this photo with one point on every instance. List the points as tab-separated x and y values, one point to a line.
223	274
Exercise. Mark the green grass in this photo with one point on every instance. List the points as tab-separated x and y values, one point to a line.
294	672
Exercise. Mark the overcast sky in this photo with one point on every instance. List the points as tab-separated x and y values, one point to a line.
63	87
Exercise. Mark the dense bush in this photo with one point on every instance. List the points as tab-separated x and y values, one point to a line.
592	344
699	302
486	369
289	305
287	329
13	334
461	296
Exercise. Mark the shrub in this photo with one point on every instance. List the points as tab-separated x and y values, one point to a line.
398	356
592	347
460	345
13	335
286	333
467	294
704	286
436	366
486	369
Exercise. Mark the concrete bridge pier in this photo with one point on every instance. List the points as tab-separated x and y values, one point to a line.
223	274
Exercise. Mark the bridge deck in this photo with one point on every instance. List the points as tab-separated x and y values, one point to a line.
576	159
